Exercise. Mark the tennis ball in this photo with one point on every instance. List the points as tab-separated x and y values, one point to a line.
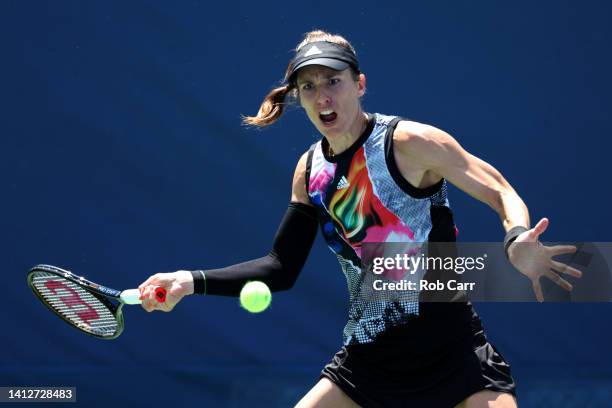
255	297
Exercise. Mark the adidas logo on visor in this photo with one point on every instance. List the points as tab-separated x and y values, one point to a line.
314	50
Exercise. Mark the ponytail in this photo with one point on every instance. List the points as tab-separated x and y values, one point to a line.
271	108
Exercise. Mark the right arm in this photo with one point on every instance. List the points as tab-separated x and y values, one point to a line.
298	187
279	269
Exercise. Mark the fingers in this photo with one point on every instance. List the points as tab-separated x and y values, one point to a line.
151	280
561	249
148	298
566	269
147	291
150	302
553	276
537	290
539	228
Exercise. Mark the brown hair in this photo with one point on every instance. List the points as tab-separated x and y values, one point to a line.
273	104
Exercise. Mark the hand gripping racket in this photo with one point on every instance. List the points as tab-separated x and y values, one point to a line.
83	304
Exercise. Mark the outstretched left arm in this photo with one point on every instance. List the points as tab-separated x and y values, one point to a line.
438	153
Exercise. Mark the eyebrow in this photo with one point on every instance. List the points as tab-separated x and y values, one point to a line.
308	78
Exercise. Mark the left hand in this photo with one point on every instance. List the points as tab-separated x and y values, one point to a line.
534	260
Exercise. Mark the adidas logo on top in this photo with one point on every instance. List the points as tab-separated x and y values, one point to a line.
343	183
314	50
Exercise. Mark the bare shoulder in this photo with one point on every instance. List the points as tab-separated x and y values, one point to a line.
298	189
416	133
406	129
421	140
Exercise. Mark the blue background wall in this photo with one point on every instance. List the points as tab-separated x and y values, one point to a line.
122	155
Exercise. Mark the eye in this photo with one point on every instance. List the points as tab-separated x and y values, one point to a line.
306	86
334	81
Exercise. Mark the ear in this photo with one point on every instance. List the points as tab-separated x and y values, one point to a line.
361	85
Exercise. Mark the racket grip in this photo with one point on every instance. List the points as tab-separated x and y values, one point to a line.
132	296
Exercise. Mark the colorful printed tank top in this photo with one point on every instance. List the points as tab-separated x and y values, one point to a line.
361	197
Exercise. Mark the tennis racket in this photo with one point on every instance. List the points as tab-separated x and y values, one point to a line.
91	308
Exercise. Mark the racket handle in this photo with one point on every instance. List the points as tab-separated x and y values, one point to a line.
132	296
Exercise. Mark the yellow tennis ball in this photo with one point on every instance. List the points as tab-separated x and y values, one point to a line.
255	296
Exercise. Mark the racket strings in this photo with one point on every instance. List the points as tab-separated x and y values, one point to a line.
75	304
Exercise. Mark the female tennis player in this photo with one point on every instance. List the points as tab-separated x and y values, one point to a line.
379	178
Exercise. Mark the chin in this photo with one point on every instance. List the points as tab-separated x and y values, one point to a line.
331	131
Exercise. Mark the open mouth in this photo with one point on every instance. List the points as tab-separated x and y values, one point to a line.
328	116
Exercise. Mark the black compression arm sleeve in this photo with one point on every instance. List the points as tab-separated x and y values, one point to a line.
279	269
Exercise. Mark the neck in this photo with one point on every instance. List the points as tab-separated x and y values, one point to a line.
343	141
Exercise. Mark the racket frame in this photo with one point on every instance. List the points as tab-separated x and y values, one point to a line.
102	293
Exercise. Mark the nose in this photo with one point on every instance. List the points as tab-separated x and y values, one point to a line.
323	98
